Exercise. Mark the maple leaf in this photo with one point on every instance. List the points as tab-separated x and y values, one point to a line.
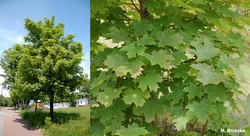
134	68
204	52
96	6
193	91
181	122
146	40
117	63
142	27
209	16
136	96
117	35
207	74
106	97
149	110
112	126
97	128
115	60
113	112
178	57
132	130
121	65
200	110
181	71
168	38
151	81
96	84
160	57
133	50
177	93
215	92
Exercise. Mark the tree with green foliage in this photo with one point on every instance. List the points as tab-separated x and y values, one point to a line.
46	64
85	89
170	65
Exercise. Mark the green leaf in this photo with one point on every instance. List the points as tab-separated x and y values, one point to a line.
121	65
134	68
115	60
118	63
181	122
220	107
146	40
112	127
96	6
160	57
132	130
206	51
215	92
118	35
193	91
149	110
113	112
179	57
136	96
162	37
200	110
151	81
181	71
177	94
106	97
175	39
97	128
142	27
207	74
168	38
133	50
96	84
209	16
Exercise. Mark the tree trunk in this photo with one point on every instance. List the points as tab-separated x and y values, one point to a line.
36	107
52	106
143	11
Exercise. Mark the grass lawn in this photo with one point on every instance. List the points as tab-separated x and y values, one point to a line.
73	121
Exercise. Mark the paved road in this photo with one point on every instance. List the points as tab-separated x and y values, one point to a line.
11	124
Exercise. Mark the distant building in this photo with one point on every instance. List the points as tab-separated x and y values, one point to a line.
82	102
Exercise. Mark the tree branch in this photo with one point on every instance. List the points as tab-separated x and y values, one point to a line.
135	7
204	128
195	17
143	11
189	60
245	11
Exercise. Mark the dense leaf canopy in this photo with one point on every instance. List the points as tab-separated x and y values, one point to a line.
175	57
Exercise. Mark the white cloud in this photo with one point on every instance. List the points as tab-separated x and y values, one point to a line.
8	38
19	39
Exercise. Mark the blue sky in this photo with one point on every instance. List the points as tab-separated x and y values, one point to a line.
75	14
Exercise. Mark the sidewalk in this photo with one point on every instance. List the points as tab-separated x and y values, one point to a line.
11	124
